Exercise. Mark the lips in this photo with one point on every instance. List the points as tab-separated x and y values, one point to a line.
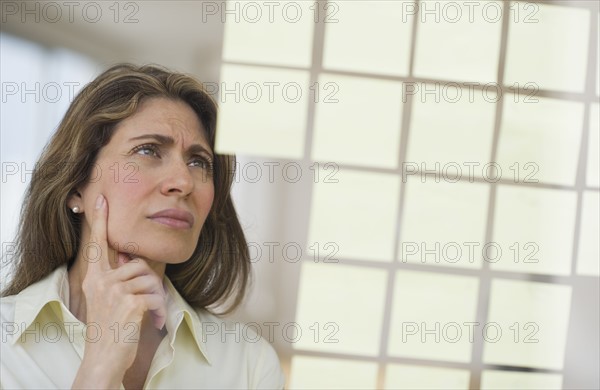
175	218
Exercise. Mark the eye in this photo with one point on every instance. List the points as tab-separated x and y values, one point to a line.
147	150
202	162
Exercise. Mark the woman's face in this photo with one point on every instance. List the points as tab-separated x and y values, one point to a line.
156	175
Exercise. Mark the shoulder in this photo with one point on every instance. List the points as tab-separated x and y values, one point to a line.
241	345
8	329
7	310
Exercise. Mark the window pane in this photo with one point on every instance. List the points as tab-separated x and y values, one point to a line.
357	121
530	59
323	373
357	38
262	111
588	258
451	127
357	214
428	314
458	42
411	377
533	230
505	380
545	134
527	324
327	308
593	160
443	223
276	33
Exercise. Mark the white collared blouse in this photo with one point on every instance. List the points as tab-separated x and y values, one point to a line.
43	343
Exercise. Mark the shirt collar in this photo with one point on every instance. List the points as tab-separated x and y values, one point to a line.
178	311
55	288
31	300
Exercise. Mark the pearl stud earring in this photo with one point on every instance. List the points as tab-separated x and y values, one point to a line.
76	209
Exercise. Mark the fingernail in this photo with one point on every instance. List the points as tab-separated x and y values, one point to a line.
99	201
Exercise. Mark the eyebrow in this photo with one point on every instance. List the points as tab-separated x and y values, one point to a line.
168	141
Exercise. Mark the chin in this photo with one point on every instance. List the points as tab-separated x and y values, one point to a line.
161	255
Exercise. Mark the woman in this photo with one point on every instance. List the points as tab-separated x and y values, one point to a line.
128	227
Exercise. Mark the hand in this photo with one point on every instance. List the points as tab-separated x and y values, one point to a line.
115	298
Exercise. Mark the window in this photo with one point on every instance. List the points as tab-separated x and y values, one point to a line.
38	84
449	153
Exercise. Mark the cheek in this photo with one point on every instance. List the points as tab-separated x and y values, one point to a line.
124	201
121	191
124	216
204	202
208	198
211	195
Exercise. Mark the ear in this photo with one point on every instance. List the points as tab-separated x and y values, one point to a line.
75	200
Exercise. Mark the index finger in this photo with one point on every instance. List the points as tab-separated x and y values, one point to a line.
97	252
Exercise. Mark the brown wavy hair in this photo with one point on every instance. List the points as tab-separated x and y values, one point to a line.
48	236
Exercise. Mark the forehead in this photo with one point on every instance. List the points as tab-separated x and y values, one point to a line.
164	116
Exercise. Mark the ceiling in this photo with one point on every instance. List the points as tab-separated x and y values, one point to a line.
183	35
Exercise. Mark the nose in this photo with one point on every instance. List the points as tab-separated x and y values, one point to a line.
178	179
